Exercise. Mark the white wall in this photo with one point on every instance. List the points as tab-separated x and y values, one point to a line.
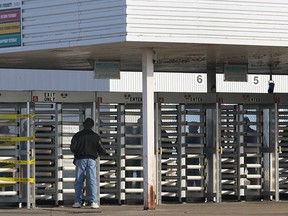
48	24
255	84
56	23
84	81
50	80
131	82
248	22
164	82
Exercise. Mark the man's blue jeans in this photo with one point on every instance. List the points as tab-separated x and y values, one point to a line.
88	165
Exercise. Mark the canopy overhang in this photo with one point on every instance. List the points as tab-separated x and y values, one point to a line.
168	57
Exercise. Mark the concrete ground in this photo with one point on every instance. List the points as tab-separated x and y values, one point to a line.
266	208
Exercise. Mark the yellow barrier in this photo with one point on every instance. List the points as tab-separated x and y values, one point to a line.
22	180
17	139
21	162
16	116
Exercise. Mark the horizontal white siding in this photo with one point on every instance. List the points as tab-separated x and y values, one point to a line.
163	82
248	22
57	23
132	82
50	80
83	81
254	84
48	24
280	84
181	82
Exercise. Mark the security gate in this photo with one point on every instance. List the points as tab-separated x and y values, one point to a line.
245	146
281	140
120	121
186	159
209	146
46	149
59	115
17	173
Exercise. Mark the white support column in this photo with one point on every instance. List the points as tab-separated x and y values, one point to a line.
149	160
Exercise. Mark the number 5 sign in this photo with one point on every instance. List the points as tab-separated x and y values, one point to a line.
255	80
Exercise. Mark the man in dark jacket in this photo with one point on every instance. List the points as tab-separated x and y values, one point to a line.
86	147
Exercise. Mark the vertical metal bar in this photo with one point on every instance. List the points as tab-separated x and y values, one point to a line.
203	130
181	152
218	154
96	117
28	159
276	152
33	169
148	129
58	182
158	150
240	155
268	167
58	154
18	154
210	139
121	154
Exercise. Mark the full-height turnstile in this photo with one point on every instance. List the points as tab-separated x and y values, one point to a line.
58	116
119	116
186	159
17	173
210	146
245	146
281	148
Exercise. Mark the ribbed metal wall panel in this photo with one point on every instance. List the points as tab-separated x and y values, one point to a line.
84	81
255	84
66	23
181	82
251	22
164	82
57	22
132	82
50	80
129	82
281	84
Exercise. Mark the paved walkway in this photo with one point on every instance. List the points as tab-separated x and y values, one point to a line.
266	208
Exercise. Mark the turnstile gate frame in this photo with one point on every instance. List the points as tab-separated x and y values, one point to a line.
11	105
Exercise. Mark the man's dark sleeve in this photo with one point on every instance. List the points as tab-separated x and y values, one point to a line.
100	148
74	144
